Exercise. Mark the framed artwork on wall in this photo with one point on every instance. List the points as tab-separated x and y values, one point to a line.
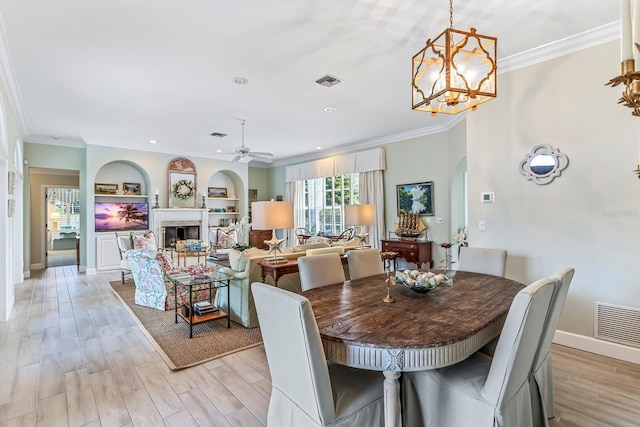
415	198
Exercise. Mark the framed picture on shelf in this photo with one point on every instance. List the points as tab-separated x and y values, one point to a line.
253	195
231	208
219	192
132	188
100	188
415	198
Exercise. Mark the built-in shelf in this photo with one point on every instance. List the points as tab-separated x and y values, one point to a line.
224	198
224	213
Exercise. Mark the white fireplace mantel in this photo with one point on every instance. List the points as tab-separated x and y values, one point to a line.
177	216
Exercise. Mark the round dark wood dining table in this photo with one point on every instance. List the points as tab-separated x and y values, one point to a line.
416	332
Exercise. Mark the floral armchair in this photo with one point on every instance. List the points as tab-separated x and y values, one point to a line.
153	289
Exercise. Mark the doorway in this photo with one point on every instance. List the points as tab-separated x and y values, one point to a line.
62	229
43	184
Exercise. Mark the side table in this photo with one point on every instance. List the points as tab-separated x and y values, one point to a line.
193	284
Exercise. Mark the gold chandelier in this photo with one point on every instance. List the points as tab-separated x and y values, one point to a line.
455	71
629	38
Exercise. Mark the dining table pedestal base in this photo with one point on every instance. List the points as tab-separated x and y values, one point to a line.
392	399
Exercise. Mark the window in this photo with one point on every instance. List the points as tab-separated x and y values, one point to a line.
324	201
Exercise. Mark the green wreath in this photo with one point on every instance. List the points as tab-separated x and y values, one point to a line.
184	189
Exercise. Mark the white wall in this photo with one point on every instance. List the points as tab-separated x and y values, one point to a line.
589	217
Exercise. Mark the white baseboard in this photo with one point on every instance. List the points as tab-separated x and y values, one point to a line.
26	274
593	345
91	271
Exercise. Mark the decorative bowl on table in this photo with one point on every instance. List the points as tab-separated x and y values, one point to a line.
420	281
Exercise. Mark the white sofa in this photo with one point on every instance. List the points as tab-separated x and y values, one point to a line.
245	269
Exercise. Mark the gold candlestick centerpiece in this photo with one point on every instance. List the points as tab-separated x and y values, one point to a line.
389	281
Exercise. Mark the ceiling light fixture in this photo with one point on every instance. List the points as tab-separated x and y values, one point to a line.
153	141
318	148
629	37
330	109
455	71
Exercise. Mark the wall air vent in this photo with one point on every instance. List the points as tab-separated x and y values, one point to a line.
617	323
328	81
218	134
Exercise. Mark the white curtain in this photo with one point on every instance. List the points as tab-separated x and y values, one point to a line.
369	164
371	192
293	193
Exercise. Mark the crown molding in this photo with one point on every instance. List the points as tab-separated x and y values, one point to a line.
63	141
10	83
594	37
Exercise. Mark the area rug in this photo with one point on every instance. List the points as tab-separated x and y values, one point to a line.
210	340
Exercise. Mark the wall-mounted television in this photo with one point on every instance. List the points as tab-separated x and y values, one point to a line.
113	216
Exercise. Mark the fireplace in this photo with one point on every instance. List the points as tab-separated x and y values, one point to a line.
175	224
173	233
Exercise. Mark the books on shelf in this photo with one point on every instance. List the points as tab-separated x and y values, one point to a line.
204	307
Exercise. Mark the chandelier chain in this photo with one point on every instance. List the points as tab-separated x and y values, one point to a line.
451	14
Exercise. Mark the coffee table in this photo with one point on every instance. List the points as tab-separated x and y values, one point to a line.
194	284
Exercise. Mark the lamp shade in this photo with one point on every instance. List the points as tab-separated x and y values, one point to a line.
54	216
360	215
271	215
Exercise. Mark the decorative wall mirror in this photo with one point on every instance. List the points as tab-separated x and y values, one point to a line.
182	183
543	164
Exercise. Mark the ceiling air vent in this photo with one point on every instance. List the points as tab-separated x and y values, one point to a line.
328	81
218	134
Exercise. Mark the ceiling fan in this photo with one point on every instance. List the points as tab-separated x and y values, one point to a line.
243	152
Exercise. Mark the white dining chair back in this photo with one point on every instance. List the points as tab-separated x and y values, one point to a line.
320	270
364	263
494	392
305	390
542	375
483	260
124	245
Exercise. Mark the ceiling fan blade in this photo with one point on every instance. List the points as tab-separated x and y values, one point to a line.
236	158
261	153
260	159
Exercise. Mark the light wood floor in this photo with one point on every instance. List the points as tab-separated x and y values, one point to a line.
71	355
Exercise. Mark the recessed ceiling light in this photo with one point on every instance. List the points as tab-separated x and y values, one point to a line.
240	80
318	148
218	151
153	141
330	109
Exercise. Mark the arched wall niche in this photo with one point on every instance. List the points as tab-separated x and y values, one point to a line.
121	171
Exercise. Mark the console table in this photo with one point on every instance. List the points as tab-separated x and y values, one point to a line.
415	251
276	271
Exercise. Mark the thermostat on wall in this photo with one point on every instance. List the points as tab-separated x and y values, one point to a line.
486	197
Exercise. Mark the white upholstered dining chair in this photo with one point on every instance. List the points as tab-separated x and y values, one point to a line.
124	245
483	391
542	375
305	390
483	260
320	270
364	263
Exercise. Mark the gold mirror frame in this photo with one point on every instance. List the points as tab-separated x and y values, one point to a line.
182	186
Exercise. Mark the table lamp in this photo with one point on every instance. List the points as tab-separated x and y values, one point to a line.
272	216
360	215
54	217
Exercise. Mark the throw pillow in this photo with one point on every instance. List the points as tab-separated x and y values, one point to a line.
237	260
166	262
227	239
142	242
